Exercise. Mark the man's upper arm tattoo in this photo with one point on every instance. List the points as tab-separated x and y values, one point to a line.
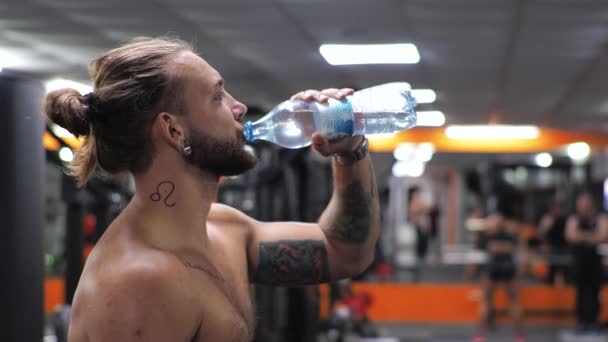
292	263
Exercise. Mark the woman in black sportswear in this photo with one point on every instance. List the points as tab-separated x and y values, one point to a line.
501	244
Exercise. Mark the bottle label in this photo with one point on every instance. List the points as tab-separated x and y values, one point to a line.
336	119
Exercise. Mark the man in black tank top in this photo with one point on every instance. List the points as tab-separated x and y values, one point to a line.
585	230
501	244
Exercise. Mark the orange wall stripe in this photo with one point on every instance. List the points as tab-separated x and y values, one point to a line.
49	142
54	293
548	140
438	303
74	143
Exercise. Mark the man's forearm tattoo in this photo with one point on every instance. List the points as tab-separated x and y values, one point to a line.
292	263
164	190
355	217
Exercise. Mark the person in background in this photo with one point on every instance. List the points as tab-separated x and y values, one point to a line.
585	230
418	215
474	224
552	234
501	243
434	230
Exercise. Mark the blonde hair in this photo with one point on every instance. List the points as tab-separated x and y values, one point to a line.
133	83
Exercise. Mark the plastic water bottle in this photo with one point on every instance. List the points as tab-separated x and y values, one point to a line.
385	108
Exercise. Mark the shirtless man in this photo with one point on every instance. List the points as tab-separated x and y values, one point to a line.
174	266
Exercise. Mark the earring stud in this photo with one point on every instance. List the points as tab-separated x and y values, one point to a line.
186	147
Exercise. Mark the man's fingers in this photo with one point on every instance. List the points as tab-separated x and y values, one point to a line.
297	96
330	92
338	94
323	95
328	147
344	92
318	139
307	95
321	144
310	95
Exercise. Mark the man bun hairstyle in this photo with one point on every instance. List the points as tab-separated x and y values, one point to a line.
132	83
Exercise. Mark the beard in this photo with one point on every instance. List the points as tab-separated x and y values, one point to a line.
220	157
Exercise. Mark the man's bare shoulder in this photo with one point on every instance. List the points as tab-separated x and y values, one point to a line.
223	214
144	267
142	273
129	297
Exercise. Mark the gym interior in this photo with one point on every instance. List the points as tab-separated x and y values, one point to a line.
512	118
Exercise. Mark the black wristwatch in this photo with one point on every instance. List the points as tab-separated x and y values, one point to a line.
357	154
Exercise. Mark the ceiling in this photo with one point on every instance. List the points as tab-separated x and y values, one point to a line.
538	61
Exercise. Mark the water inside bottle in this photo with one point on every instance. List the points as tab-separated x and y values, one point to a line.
293	128
382	122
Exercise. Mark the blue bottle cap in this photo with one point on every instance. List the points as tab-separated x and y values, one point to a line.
248	131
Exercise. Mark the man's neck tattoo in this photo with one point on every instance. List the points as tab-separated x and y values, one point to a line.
164	191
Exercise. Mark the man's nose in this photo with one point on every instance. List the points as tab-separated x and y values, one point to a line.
239	110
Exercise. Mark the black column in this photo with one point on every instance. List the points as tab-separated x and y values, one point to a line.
22	175
74	235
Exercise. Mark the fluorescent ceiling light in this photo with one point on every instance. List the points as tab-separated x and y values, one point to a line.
63	83
578	151
430	118
606	194
492	132
61	132
424	95
543	159
411	168
425	151
404	151
8	60
341	54
407	152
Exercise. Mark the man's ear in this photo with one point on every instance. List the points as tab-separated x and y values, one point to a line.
170	129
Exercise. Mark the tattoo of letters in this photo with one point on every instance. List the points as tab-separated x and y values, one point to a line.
292	263
157	196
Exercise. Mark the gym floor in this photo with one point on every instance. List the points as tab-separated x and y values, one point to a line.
464	333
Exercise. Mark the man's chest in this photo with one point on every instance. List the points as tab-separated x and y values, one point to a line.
228	313
224	294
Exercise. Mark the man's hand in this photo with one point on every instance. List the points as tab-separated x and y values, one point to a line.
320	143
